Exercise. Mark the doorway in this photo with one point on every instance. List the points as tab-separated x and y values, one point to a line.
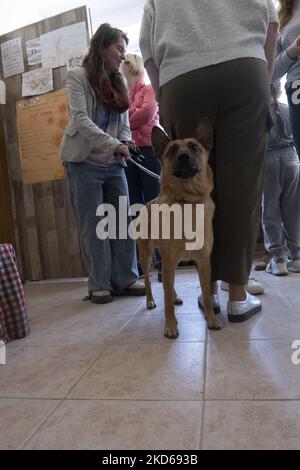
7	232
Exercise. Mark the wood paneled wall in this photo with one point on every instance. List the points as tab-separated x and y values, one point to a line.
45	230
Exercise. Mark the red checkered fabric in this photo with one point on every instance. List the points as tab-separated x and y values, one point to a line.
13	315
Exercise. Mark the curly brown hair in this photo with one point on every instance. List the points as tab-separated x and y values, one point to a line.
285	11
93	61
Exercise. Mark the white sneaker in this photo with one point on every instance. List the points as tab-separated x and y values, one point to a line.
277	266
241	311
215	302
293	264
253	287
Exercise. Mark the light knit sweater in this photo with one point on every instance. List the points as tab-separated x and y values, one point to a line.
184	35
285	65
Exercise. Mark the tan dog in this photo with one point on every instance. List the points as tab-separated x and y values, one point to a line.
186	178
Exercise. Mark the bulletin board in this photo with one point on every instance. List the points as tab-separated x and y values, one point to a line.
40	123
34	116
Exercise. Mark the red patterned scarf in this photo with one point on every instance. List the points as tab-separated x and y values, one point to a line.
112	98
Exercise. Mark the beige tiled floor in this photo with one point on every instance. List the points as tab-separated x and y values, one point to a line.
105	377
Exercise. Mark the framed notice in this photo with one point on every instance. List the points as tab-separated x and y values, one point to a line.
34	51
12	57
40	124
37	82
58	45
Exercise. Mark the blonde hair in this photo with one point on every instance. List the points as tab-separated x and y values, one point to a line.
285	11
137	65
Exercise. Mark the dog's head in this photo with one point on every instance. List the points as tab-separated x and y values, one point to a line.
185	161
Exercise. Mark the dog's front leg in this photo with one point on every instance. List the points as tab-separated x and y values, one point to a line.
145	251
168	277
204	272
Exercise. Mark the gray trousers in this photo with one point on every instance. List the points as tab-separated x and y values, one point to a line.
234	95
281	203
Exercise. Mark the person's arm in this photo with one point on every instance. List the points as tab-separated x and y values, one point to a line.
270	46
147	111
285	59
147	46
293	51
153	74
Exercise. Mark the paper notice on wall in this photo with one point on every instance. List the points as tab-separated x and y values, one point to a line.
12	57
36	82
34	51
62	43
74	61
2	92
40	124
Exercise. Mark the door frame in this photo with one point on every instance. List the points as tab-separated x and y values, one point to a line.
7	226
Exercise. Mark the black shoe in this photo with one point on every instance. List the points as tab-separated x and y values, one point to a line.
134	289
101	297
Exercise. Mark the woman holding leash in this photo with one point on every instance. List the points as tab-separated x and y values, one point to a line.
94	148
215	59
288	61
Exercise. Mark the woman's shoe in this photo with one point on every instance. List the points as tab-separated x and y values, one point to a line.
215	302
293	264
253	287
101	297
277	266
261	263
239	311
134	289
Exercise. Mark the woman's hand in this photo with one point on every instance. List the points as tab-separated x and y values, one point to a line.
123	151
130	144
293	51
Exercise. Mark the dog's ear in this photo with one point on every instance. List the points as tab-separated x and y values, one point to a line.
205	133
159	140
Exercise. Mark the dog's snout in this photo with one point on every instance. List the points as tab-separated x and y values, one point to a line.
185	165
184	158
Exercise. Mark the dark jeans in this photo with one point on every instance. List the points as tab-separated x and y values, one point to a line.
294	108
142	187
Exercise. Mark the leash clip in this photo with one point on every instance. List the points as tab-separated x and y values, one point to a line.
136	154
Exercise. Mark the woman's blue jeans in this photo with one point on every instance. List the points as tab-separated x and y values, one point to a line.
111	264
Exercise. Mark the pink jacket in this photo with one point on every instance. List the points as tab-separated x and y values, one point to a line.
143	113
